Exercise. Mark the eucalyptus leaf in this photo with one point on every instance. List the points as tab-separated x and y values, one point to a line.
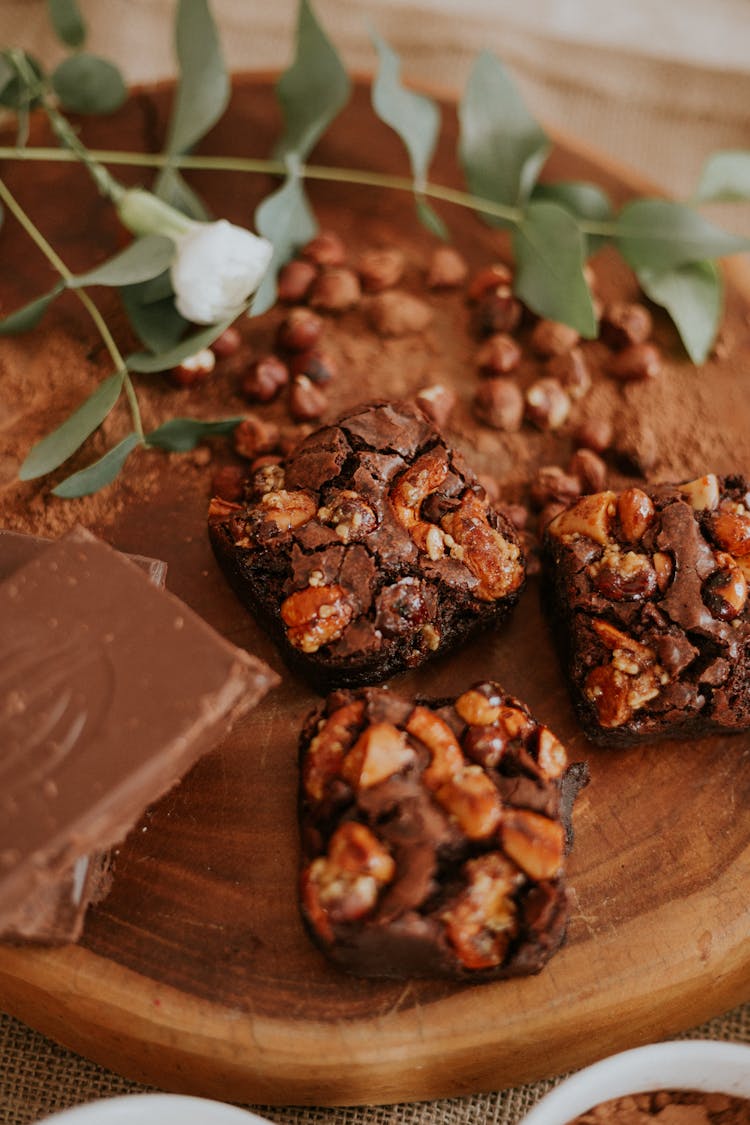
67	22
285	218
142	260
155	321
429	218
56	447
147	363
85	83
501	146
725	178
179	435
658	235
549	253
203	88
14	91
693	296
7	73
584	200
100	473
174	189
26	318
313	90
414	117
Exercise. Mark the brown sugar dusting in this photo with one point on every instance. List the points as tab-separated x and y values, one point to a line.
669	1107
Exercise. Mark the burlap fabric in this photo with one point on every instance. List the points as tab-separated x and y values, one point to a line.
658	96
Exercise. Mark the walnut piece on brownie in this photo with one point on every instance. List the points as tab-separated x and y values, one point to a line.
647	592
373	548
434	834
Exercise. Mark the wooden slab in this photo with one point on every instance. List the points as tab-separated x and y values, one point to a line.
195	974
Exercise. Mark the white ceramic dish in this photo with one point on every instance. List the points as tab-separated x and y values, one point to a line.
692	1064
155	1109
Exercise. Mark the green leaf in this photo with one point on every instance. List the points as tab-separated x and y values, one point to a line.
23	320
693	296
100	473
285	218
583	200
501	146
203	89
85	83
179	435
155	320
658	235
148	364
175	190
56	447
14	90
7	74
67	22
429	218
144	259
414	117
725	178
313	90
549	252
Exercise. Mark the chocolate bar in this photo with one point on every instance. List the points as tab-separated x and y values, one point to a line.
110	689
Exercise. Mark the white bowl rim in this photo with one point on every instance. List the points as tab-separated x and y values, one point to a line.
128	1109
708	1065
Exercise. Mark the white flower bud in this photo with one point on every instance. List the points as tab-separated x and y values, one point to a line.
216	268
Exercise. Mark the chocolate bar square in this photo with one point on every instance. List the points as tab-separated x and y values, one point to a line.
372	549
647	594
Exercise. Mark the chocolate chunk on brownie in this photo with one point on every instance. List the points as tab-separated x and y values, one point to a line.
434	834
647	591
371	549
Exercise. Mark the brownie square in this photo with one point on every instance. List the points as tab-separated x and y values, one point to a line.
371	549
647	592
434	834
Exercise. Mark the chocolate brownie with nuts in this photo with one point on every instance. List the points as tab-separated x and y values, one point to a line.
434	834
371	549
648	593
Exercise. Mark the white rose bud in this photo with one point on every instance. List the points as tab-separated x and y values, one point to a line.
216	268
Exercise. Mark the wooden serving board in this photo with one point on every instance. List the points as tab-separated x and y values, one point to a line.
195	974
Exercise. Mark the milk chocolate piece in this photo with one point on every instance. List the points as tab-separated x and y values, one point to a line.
434	834
109	691
648	592
54	915
373	549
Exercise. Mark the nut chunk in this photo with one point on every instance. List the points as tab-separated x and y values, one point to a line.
370	550
648	590
434	834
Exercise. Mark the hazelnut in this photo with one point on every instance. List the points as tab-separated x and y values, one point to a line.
397	313
294	281
317	365
228	482
437	402
572	371
595	433
254	436
326	249
497	311
551	483
299	330
624	323
489	277
552	337
307	403
517	514
228	343
499	355
447	269
636	512
590	470
636	362
335	290
499	404
194	369
381	269
264	379
547	404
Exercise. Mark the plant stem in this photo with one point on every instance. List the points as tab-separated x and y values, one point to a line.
55	260
274	168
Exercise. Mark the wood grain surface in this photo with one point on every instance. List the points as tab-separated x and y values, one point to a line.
195	974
